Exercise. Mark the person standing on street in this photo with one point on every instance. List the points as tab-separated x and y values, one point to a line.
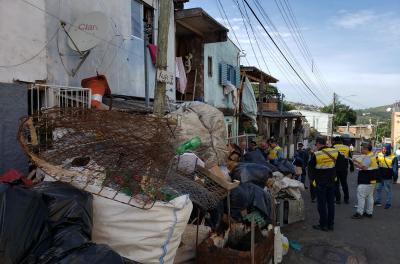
301	156
388	174
368	166
342	170
275	153
323	167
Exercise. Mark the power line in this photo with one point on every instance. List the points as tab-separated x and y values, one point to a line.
233	31
34	56
279	49
282	41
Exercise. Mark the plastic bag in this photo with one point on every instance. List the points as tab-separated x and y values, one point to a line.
255	156
251	172
23	216
286	167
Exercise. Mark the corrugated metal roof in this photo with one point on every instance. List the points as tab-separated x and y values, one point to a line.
281	115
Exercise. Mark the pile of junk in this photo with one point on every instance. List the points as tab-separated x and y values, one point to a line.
119	187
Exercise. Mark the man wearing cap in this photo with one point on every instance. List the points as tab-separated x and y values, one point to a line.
342	170
388	174
367	174
323	169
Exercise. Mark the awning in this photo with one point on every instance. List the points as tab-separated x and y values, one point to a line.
257	75
196	21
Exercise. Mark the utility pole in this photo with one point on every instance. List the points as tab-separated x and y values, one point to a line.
162	51
333	113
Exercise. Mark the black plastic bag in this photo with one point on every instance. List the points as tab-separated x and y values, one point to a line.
23	226
286	167
251	172
251	197
255	156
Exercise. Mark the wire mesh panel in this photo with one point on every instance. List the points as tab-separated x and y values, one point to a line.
121	156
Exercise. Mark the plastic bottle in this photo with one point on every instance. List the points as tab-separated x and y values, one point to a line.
188	145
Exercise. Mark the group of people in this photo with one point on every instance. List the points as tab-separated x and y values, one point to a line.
328	167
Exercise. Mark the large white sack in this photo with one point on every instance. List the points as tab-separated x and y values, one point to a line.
146	236
207	122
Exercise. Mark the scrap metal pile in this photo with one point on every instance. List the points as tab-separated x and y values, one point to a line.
103	152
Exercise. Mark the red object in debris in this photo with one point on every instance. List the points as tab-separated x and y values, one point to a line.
13	175
99	86
153	52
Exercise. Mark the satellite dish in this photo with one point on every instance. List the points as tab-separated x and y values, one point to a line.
87	31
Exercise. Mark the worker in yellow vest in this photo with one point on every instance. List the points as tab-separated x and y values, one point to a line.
367	175
275	153
388	174
342	170
323	167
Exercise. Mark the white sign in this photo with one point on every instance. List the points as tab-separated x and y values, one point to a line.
165	77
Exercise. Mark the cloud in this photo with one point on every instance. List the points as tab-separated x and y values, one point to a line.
353	20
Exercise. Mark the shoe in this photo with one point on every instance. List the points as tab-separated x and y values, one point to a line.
305	187
367	215
346	201
377	204
321	228
388	206
330	228
313	200
357	216
338	202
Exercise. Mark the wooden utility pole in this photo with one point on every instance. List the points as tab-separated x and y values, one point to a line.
162	52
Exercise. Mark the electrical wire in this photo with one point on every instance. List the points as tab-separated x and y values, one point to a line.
34	56
284	56
225	17
284	46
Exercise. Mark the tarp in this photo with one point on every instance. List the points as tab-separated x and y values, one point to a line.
249	102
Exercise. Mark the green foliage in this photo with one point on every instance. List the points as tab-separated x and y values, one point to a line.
383	130
375	113
269	90
343	114
287	106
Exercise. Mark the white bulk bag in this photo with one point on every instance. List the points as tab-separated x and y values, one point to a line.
146	236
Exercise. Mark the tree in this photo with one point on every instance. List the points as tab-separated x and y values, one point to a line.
343	114
383	130
287	106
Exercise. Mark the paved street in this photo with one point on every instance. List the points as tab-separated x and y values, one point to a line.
369	241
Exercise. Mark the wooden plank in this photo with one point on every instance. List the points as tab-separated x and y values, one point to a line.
189	27
221	182
32	130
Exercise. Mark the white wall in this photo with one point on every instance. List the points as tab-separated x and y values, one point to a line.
25	30
320	121
22	36
225	52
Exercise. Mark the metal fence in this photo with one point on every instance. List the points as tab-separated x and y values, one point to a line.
44	96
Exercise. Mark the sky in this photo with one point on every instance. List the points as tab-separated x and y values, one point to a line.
350	47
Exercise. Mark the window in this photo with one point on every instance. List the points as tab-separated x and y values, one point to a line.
229	74
137	19
210	65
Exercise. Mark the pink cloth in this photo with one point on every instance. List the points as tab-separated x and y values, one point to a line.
153	52
181	75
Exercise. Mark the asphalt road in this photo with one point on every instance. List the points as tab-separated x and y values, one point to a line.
371	241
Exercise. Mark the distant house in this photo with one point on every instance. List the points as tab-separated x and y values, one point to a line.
322	122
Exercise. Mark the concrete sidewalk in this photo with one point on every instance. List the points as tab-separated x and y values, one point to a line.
375	240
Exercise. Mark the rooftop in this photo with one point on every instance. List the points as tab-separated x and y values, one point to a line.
257	75
281	115
197	21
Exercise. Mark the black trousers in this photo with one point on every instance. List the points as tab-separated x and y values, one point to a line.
326	204
342	181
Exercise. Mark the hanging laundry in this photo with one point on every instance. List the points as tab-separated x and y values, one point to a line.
181	75
153	52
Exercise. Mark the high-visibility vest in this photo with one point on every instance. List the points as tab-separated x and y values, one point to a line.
273	153
374	163
385	161
343	149
326	158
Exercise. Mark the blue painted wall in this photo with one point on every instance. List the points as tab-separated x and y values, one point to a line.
220	52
